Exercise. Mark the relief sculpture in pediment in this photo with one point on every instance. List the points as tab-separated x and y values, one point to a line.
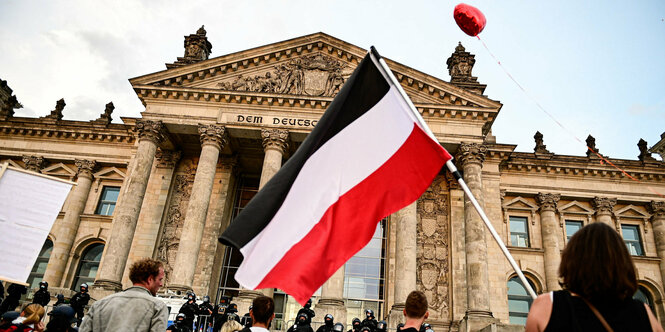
313	75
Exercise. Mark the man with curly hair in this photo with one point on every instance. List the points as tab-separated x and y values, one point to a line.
134	309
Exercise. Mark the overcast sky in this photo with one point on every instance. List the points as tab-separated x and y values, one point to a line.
596	66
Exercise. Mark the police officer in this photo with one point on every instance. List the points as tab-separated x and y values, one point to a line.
79	301
301	325
205	314
179	325
400	326
246	320
426	328
308	311
14	292
328	324
232	313
220	313
338	327
369	320
356	325
42	295
381	326
190	308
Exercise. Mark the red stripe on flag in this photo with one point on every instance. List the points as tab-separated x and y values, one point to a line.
348	224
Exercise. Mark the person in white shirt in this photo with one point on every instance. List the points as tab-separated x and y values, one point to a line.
262	313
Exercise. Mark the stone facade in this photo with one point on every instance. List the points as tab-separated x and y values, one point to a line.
212	124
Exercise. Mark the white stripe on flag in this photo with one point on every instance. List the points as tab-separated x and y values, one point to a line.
335	168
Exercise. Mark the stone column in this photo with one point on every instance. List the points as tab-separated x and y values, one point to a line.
332	298
213	138
657	210
406	229
549	230
470	156
126	214
69	226
604	207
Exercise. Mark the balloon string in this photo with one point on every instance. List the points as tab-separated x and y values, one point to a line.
535	101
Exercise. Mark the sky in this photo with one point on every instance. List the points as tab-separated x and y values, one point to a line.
596	66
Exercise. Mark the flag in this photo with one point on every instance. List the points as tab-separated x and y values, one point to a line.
367	157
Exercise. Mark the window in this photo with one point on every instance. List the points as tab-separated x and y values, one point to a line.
107	201
572	226
88	265
364	278
519	301
38	269
519	231
228	286
644	296
631	236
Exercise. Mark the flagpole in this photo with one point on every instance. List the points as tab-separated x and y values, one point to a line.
451	167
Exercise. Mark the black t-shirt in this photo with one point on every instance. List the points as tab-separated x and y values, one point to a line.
570	313
410	329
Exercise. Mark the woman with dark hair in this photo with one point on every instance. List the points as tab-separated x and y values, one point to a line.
598	279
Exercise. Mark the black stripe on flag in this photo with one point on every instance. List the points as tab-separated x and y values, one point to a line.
364	89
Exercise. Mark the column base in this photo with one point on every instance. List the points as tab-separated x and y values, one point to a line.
244	300
104	287
477	320
179	289
333	306
396	315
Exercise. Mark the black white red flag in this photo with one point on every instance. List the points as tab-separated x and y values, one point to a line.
367	157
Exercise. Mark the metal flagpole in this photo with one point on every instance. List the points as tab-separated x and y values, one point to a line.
451	167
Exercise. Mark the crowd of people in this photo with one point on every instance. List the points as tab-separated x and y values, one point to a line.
597	276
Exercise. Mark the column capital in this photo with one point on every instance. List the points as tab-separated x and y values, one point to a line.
275	139
85	167
215	135
604	205
167	158
657	209
33	163
471	153
153	131
548	202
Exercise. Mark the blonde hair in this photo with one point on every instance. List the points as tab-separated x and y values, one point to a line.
33	313
231	326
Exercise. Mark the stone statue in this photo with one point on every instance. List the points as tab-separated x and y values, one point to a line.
540	147
591	144
56	114
105	118
645	155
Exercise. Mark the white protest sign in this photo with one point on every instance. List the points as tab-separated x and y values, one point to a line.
29	204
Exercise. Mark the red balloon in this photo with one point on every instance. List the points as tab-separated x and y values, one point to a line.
470	19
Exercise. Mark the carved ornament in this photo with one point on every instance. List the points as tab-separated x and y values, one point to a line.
105	118
56	114
604	205
657	209
85	167
213	134
471	153
548	202
432	274
167	158
153	131
313	75
540	146
460	64
33	163
275	139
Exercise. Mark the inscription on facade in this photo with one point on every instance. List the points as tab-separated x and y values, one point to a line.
273	120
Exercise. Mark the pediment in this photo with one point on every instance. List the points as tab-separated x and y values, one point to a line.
11	163
110	173
631	211
60	170
575	207
519	203
311	67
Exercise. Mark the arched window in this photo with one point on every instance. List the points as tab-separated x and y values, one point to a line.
38	269
644	295
88	265
519	301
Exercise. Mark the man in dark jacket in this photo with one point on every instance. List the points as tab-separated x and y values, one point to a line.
42	295
205	314
190	308
356	325
328	324
301	325
79	301
369	320
307	309
179	325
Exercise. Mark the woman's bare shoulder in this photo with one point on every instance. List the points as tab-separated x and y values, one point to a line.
539	314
